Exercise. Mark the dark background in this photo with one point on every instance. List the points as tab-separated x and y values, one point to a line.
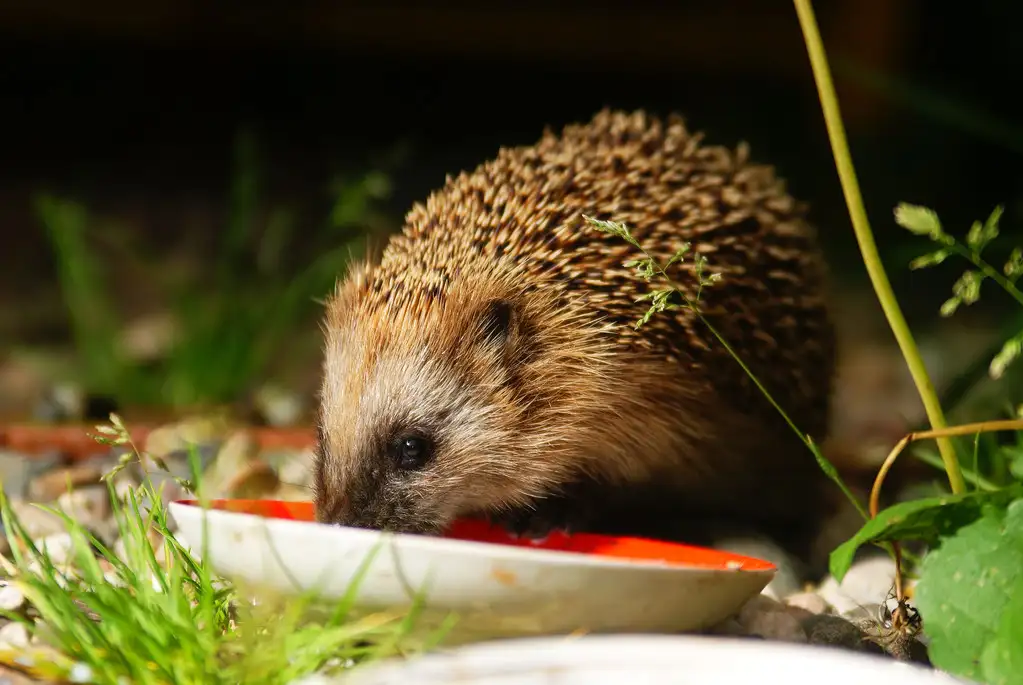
132	108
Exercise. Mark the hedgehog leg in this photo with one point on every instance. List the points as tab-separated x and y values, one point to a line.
568	511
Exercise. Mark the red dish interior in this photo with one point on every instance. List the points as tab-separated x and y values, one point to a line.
482	531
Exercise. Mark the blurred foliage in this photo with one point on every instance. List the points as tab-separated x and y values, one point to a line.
231	325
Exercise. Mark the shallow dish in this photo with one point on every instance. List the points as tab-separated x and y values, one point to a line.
645	660
497	585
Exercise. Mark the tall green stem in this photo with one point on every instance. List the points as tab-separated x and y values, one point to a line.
858	215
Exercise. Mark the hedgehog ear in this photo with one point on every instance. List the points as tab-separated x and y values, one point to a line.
498	318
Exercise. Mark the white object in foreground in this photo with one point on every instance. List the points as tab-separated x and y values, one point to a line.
645	660
495	590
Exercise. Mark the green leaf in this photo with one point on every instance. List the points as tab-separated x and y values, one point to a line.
969	595
1002	658
928	519
1012	348
931	259
1015	462
918	220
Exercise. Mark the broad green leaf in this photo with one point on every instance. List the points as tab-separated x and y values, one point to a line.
1002	659
969	596
929	519
918	220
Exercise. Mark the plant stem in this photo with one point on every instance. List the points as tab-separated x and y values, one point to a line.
861	227
989	271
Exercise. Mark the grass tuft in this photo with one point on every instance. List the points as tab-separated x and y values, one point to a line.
158	615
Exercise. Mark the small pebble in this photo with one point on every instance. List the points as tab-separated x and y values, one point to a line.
80	673
835	631
257	480
37	522
49	486
16	472
89	505
179	438
810	601
59	547
11	597
235	457
279	407
124	485
864	587
14	635
785	581
770	619
297	468
60	402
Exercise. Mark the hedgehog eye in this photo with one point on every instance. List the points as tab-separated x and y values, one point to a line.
412	451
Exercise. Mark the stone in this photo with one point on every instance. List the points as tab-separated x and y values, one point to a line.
786	580
49	486
89	506
835	631
59	547
11	597
297	468
59	403
14	636
37	522
810	601
179	438
124	484
865	587
238	452
17	470
255	481
765	617
278	406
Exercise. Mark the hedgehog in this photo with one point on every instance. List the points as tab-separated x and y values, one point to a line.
487	363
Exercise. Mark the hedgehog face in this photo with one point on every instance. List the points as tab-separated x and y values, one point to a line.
416	423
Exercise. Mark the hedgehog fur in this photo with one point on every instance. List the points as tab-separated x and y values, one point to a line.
487	363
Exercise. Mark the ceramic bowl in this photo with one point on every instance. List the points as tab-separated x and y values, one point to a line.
497	585
645	660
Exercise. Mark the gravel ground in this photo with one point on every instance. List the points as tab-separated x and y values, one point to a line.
840	615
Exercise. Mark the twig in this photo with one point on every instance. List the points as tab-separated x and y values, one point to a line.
948	432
